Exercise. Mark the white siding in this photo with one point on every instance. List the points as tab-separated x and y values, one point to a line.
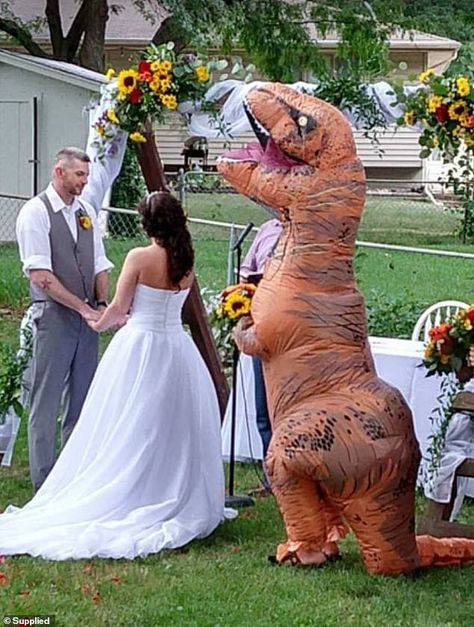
400	145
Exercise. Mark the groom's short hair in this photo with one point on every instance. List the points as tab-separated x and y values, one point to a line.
66	155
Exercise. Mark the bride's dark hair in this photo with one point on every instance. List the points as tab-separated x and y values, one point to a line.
163	218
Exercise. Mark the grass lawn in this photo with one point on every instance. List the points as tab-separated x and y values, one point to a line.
226	580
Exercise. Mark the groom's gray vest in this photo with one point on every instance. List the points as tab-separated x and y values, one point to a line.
72	262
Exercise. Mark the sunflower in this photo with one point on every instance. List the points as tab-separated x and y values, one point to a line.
202	73
462	86
434	102
127	81
169	101
430	350
425	76
457	109
112	116
137	137
236	305
409	118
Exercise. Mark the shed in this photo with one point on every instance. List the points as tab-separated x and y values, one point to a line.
43	107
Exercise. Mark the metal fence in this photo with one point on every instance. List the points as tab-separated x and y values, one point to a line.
405	216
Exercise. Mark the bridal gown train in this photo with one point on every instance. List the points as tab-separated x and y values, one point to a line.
142	470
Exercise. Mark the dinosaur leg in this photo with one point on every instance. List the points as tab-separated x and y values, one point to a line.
383	522
313	525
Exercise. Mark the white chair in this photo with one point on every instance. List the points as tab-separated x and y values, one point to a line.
434	315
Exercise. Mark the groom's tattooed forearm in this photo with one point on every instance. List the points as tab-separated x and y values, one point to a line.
45	284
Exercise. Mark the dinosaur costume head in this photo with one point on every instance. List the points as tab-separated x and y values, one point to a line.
343	452
300	138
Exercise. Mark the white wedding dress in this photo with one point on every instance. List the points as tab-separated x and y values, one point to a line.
142	470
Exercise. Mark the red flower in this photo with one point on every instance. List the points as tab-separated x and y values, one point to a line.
446	346
3	579
470	312
441	114
135	96
144	67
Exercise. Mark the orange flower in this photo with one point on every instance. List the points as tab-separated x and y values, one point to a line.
3	579
440	332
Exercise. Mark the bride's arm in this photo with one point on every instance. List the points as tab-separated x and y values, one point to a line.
116	312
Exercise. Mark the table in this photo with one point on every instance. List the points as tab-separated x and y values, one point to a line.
397	362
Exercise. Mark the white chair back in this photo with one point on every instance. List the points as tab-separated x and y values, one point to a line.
434	315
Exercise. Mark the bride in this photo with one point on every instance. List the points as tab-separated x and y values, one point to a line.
142	470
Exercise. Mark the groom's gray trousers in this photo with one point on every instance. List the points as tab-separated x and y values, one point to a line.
65	350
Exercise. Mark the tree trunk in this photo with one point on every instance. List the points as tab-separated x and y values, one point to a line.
91	54
171	30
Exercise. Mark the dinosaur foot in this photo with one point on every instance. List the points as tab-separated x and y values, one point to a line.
305	554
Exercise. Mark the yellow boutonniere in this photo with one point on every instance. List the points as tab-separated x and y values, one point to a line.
85	222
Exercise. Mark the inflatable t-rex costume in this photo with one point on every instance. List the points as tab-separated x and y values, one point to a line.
343	452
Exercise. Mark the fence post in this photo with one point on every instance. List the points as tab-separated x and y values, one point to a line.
230	256
181	178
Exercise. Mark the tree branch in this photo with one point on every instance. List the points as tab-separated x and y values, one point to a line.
76	31
53	15
23	37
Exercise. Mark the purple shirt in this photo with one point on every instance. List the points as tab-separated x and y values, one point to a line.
263	244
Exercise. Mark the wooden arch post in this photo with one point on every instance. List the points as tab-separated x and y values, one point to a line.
194	313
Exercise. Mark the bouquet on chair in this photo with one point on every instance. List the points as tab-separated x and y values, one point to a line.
448	347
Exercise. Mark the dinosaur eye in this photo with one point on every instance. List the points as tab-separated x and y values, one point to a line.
302	121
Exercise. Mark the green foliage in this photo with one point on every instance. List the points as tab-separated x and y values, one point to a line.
128	189
391	316
441	417
11	372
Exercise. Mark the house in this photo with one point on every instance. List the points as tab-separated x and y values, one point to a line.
43	107
396	158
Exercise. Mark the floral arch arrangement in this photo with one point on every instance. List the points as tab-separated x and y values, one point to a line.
159	83
443	109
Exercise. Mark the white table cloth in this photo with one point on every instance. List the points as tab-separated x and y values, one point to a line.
397	362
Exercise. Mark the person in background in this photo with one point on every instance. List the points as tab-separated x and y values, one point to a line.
63	256
252	270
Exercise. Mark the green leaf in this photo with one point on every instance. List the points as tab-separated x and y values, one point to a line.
425	153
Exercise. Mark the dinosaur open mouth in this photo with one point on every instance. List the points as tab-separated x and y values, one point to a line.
265	152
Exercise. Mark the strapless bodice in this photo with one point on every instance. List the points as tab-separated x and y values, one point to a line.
157	309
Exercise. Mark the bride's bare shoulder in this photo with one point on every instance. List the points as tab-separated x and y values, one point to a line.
142	253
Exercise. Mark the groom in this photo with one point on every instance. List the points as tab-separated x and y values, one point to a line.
63	256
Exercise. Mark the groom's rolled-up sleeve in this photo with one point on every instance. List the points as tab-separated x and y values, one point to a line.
32	234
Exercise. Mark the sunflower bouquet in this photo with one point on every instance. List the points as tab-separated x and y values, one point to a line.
444	109
155	86
234	302
448	347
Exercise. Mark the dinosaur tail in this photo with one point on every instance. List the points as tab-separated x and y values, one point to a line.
444	551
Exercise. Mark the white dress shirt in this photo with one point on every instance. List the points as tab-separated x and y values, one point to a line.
33	227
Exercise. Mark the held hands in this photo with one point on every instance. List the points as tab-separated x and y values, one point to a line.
88	313
112	319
